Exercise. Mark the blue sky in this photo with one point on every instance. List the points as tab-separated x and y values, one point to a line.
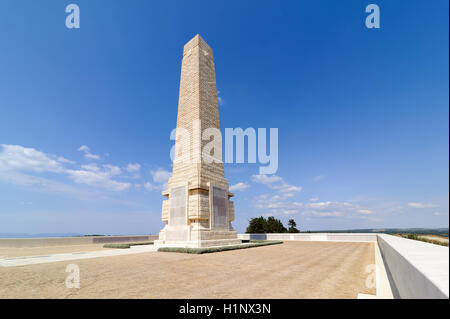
362	114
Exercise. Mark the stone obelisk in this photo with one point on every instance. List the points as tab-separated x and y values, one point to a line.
198	211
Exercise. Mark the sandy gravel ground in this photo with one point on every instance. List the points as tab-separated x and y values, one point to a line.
38	251
290	270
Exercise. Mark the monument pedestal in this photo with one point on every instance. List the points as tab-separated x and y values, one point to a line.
198	244
191	237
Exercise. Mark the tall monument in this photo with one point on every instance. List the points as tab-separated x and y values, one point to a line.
198	211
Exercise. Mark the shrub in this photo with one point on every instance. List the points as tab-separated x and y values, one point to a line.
412	236
122	246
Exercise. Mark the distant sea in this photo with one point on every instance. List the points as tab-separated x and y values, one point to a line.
24	235
42	235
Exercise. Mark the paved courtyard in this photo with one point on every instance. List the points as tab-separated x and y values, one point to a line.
291	270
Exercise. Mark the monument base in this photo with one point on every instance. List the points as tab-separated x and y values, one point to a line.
186	237
197	244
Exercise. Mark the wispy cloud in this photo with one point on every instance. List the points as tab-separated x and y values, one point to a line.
319	178
99	177
152	187
277	183
266	179
133	168
335	209
160	175
326	214
239	187
87	153
18	163
65	160
277	205
220	99
160	178
19	158
421	205
328	204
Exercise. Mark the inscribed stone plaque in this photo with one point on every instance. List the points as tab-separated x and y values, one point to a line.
178	206
219	208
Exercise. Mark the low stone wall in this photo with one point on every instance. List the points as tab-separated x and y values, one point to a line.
354	237
65	241
418	269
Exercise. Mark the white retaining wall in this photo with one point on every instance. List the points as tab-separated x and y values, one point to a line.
358	237
63	241
419	270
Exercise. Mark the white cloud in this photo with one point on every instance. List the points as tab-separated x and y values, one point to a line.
132	168
19	158
288	188
160	175
326	214
319	177
266	179
91	167
65	160
336	209
94	176
45	185
113	170
16	160
276	182
87	153
277	204
151	187
220	99
91	156
239	187
160	178
421	205
320	205
314	199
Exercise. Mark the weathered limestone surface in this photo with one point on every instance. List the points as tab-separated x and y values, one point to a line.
197	211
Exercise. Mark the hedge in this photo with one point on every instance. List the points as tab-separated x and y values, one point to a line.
218	249
127	245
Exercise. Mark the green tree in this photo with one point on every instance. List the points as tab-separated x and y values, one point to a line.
292	226
275	225
257	225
